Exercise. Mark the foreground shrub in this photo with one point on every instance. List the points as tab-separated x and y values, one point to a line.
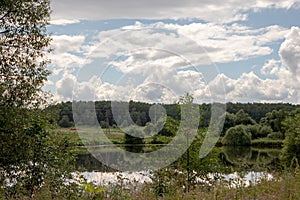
34	159
291	150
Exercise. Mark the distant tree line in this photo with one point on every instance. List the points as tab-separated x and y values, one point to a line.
263	123
139	112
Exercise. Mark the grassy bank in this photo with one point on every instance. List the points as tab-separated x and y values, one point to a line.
283	187
266	142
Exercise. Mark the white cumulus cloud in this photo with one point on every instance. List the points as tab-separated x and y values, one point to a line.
290	51
158	65
64	87
213	11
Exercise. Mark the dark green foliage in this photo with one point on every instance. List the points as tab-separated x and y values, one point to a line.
230	121
291	150
165	184
274	119
276	136
104	124
170	128
253	130
203	166
237	136
135	144
243	118
259	110
265	131
65	114
160	139
258	131
240	118
172	111
246	157
237	155
31	157
295	111
27	146
250	126
65	122
139	112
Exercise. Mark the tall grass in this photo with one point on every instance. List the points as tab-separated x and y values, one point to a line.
283	186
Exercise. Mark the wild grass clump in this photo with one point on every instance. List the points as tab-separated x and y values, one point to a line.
283	186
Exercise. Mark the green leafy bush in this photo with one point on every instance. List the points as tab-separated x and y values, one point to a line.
170	128
276	136
45	159
160	139
237	136
253	130
265	131
243	118
258	131
65	122
291	150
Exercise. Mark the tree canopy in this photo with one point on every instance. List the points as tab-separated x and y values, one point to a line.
23	44
30	157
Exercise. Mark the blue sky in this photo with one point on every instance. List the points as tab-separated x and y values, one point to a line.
155	51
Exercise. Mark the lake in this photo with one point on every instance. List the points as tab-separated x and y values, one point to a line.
239	164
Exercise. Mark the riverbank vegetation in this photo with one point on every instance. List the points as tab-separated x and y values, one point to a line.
271	147
267	130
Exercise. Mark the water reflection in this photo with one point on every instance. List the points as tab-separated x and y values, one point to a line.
251	157
237	157
87	162
247	166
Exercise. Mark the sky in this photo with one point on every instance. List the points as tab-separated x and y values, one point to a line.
157	51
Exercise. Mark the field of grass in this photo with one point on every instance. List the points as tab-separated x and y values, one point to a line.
90	136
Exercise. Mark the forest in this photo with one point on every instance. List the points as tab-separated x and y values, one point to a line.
139	111
256	124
